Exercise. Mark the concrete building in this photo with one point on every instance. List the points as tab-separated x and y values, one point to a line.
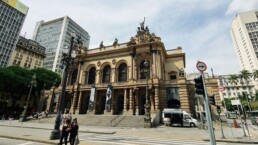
111	80
28	54
232	90
12	16
244	34
54	36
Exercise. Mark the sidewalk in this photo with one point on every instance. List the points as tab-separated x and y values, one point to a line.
40	132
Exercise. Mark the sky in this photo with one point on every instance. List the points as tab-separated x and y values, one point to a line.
200	27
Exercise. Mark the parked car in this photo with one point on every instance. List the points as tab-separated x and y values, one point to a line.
254	117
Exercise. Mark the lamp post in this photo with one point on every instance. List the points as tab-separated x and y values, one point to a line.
33	83
67	60
147	119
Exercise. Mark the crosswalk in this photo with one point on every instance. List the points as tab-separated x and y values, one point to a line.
125	140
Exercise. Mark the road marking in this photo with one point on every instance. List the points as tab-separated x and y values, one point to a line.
26	143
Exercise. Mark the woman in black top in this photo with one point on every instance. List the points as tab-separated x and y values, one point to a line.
65	131
74	131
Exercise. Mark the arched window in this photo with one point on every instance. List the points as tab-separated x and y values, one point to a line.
74	76
144	69
106	74
92	75
122	72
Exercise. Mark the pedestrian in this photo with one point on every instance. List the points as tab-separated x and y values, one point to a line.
65	131
10	119
70	116
74	131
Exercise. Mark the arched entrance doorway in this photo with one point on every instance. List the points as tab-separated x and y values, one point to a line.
120	104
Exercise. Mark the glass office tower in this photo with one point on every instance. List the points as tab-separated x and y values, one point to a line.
54	35
12	16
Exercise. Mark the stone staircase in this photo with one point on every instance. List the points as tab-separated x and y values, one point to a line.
103	120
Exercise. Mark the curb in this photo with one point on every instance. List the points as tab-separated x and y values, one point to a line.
234	141
87	131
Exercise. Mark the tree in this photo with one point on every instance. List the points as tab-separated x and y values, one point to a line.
45	80
233	79
255	74
229	106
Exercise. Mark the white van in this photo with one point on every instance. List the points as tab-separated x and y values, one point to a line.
175	117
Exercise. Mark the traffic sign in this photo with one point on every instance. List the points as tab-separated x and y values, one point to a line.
201	66
221	88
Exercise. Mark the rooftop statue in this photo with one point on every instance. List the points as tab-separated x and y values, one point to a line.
101	44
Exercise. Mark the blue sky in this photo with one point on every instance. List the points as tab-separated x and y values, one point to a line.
200	27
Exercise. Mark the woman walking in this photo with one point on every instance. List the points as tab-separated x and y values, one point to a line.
74	131
66	128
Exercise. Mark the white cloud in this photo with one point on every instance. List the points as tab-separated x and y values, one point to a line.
200	27
238	6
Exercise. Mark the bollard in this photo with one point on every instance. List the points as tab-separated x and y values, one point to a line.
235	123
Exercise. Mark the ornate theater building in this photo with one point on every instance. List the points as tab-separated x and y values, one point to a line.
114	79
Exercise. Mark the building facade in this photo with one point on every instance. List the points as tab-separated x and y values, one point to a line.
233	90
197	101
54	36
12	16
113	79
244	34
28	54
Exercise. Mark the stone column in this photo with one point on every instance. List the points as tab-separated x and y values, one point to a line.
125	101
136	98
78	110
156	98
152	102
154	64
131	101
76	94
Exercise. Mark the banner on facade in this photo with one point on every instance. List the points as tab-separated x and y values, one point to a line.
108	98
91	102
235	102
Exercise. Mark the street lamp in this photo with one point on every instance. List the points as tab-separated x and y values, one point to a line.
147	119
33	83
67	60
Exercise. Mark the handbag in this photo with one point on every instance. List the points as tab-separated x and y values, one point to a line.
77	141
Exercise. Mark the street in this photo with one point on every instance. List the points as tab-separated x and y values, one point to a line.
32	132
7	141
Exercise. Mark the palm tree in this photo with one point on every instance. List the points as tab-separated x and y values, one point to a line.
246	75
233	79
255	74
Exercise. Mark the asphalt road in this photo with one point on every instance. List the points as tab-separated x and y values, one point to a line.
6	141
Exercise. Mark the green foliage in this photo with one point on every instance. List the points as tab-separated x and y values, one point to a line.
16	80
230	107
254	105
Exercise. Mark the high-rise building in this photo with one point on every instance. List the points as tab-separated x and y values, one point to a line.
244	34
54	36
28	54
12	16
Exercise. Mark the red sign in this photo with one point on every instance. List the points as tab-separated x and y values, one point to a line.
201	66
221	88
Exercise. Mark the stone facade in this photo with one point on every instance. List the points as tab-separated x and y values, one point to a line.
28	54
118	72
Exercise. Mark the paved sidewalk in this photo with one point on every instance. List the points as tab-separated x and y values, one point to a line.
40	132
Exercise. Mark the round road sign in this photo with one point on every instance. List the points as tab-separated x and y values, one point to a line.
201	66
221	88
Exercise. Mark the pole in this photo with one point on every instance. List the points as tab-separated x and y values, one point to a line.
222	133
224	103
241	119
208	115
55	134
23	117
